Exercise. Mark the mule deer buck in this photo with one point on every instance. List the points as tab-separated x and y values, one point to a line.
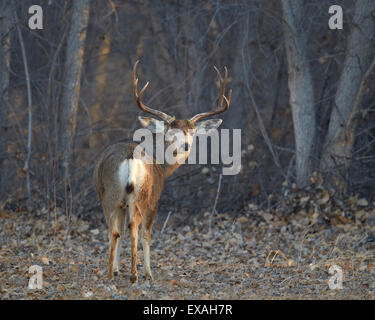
125	183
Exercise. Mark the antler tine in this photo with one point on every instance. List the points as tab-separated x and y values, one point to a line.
220	108
138	97
219	74
223	84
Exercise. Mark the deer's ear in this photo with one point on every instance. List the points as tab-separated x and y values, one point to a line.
155	126
208	124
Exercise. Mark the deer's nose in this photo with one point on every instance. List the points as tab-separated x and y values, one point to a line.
187	146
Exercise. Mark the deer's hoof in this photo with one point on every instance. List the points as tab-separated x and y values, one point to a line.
134	278
149	277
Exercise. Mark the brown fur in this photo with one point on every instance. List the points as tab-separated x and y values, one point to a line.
113	199
142	203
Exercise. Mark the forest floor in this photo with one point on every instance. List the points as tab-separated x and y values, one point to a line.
255	254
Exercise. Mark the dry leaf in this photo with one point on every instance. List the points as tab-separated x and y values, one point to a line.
324	197
95	232
255	191
242	220
362	202
4	214
174	282
253	165
75	269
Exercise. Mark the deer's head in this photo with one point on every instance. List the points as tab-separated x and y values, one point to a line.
180	133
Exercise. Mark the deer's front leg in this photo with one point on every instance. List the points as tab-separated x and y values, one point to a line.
133	230
146	251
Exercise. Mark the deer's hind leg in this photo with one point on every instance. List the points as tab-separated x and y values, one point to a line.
134	221
121	217
114	225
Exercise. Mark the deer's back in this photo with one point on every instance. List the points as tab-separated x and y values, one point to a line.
117	175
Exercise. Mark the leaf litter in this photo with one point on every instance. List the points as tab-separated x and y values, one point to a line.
280	252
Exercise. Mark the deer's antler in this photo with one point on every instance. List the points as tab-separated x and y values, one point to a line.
222	98
138	97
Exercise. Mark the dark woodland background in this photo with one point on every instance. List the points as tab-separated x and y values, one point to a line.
303	95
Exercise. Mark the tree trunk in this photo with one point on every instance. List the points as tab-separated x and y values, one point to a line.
301	89
100	85
30	109
336	156
71	93
5	21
